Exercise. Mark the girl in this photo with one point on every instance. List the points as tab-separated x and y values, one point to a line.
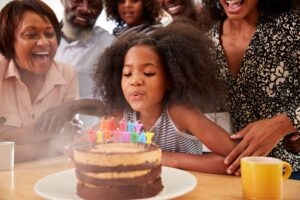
133	16
166	81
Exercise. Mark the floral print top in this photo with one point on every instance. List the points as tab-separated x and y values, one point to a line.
268	82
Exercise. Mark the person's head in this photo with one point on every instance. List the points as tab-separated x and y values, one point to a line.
133	12
29	35
180	8
172	64
82	13
237	9
80	17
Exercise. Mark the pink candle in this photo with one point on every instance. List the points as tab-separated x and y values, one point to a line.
123	125
92	136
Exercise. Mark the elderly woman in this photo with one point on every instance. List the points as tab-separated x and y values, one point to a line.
31	81
257	51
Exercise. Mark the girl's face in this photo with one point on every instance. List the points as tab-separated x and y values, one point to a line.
240	9
144	82
131	12
35	44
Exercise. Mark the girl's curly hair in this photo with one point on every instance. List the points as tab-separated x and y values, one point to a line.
151	11
183	49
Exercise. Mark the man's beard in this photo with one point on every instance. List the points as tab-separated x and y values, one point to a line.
75	32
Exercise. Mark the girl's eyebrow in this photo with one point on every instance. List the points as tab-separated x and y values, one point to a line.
148	64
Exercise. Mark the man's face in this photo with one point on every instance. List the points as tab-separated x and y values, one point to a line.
82	13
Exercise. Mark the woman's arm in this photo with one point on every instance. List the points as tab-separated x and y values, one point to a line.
54	119
29	144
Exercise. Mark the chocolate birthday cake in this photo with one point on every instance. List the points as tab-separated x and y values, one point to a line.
118	171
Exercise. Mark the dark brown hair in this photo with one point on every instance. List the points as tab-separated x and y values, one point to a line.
183	50
151	11
10	17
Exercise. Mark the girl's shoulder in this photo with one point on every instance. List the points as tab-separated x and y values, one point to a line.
187	118
183	114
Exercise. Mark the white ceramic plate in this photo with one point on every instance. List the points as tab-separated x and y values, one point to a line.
62	185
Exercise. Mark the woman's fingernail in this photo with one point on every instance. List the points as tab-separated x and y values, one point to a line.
226	162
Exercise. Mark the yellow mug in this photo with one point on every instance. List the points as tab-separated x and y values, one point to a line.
262	177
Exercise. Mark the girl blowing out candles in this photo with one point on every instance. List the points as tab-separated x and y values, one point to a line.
165	81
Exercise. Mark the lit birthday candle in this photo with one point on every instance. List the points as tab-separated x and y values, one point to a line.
134	137
149	136
138	127
112	124
92	137
99	136
130	127
122	125
125	136
142	137
117	137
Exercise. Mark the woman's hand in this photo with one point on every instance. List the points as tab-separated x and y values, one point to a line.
258	139
55	118
292	142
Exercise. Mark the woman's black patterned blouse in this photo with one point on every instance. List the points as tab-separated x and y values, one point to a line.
268	82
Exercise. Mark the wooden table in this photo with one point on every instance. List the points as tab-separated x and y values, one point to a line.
18	183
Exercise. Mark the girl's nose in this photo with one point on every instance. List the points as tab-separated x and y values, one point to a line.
127	3
136	80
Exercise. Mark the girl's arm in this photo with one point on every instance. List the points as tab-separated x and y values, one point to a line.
207	163
191	120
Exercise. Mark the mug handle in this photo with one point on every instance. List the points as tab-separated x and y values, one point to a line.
288	170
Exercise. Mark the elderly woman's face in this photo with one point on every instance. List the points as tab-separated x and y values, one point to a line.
35	44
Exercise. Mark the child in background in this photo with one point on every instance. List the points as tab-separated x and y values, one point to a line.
133	16
166	81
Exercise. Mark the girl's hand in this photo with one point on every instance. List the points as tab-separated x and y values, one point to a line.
258	139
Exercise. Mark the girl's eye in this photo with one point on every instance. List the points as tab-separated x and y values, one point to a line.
149	73
127	74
